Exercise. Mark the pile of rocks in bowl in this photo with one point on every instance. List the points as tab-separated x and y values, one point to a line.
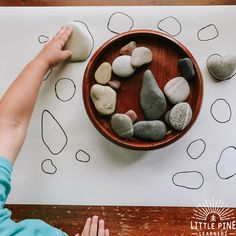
154	102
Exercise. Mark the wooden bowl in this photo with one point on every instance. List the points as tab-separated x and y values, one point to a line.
166	53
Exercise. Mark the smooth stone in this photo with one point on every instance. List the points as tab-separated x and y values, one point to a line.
132	115
152	99
122	67
177	90
104	99
221	68
80	42
115	84
103	73
167	118
128	48
122	125
141	56
186	68
180	116
152	130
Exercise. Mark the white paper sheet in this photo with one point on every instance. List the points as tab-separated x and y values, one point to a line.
106	173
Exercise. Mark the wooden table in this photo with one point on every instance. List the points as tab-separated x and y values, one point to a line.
122	221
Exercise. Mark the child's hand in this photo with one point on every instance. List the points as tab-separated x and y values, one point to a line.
52	52
94	228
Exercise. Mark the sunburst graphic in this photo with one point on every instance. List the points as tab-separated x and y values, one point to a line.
214	207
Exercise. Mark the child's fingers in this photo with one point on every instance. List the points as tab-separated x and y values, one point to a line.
107	233
63	37
94	226
101	228
86	227
77	234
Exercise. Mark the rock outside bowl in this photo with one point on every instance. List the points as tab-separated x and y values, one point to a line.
166	53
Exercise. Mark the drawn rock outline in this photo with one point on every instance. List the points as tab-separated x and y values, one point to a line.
207	28
84	154
73	86
185	186
58	124
44	166
43	39
195	157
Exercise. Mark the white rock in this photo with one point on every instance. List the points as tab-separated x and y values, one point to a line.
141	56
103	73
177	90
80	42
104	99
122	67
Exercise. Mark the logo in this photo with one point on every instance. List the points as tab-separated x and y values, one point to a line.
213	218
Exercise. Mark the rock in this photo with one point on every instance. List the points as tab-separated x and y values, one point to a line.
132	115
141	56
167	118
152	99
104	99
128	48
180	116
122	67
221	68
80	42
115	84
177	90
152	130
103	73
122	125
186	68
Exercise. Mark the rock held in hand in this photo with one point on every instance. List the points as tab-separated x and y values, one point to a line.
122	125
103	73
152	99
186	68
128	48
141	56
151	130
104	99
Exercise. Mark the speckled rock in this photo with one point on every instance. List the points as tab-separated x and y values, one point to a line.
122	67
115	84
132	114
177	90
103	73
152	99
180	116
141	56
221	68
122	125
128	48
186	68
104	99
151	130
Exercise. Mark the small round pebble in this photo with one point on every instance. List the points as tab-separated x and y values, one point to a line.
167	118
177	90
128	48
186	68
151	130
132	114
104	99
141	56
122	67
180	116
115	84
122	125
103	73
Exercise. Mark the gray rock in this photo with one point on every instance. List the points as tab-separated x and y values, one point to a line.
221	68
167	118
180	116
122	67
141	56
177	90
186	68
152	99
122	125
151	130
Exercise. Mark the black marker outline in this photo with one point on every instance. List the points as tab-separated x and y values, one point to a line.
184	172
42	131
204	149
43	41
49	72
90	35
217	32
46	172
217	163
80	150
217	54
56	92
230	111
118	12
173	35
